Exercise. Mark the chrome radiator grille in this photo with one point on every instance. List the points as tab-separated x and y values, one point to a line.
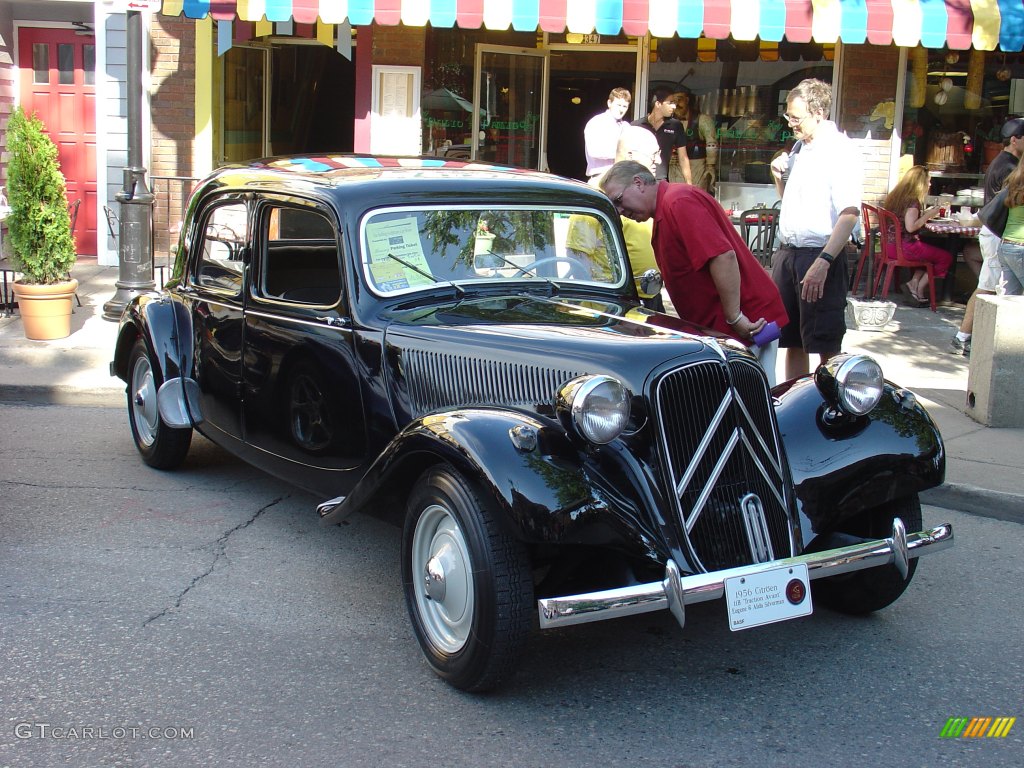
438	380
724	461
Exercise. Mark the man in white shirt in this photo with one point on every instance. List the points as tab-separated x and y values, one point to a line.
601	134
820	184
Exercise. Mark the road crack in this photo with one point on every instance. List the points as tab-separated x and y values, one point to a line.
219	553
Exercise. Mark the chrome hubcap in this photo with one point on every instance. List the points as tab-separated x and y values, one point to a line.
444	592
144	410
434	579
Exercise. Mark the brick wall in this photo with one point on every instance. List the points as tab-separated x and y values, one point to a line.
399	45
869	78
172	144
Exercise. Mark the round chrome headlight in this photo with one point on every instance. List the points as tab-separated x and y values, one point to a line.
598	406
859	383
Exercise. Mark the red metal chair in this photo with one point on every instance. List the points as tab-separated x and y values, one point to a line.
869	230
890	230
757	228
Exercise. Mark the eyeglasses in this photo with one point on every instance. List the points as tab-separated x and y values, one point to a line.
793	120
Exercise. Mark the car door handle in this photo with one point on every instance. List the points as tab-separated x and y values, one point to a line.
336	322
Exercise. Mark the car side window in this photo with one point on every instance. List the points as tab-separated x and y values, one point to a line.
225	234
300	260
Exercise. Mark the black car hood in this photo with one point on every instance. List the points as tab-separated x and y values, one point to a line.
517	350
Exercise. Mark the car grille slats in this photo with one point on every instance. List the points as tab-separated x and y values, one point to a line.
437	381
724	463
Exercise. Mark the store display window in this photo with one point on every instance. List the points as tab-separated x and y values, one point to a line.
955	105
742	86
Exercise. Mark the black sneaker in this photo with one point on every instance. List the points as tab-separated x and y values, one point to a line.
960	347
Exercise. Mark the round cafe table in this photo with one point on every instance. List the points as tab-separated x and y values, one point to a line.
952	228
951	235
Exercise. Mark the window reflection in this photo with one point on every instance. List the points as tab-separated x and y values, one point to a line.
89	63
40	63
66	64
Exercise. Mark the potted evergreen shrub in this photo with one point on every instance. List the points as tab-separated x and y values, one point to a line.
42	248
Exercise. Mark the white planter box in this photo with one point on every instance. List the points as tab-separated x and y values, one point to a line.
868	315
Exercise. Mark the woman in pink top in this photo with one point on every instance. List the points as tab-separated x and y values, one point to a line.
906	200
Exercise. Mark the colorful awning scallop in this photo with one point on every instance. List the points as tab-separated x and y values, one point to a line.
959	24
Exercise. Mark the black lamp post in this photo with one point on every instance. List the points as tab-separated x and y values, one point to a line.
135	233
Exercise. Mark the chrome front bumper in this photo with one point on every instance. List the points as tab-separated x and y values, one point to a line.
676	591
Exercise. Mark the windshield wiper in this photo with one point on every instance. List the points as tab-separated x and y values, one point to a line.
459	290
524	271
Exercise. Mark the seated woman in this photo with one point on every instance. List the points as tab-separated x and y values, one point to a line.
906	200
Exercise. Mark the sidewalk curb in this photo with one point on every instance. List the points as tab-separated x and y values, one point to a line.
961	497
96	397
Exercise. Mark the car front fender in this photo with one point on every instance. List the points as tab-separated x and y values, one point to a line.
842	467
544	488
162	324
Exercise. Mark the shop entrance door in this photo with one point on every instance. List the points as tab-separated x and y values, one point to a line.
58	83
285	99
509	115
580	83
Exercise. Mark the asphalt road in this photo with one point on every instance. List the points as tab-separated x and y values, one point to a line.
204	617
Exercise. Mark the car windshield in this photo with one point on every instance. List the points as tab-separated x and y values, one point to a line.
409	249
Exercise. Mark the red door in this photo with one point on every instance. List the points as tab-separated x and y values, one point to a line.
58	83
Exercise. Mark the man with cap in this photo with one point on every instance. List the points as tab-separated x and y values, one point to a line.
988	277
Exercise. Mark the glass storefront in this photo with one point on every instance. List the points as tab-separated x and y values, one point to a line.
955	105
534	96
742	87
284	97
510	86
446	106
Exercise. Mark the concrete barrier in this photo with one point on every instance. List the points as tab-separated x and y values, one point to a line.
995	384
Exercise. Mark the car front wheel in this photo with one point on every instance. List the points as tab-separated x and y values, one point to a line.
161	446
874	588
467	582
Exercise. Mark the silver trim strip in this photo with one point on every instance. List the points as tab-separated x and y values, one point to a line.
676	591
757	528
712	481
705	443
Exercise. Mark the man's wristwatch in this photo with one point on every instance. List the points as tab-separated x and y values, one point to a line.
828	257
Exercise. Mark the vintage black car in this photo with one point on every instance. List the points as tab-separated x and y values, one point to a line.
461	348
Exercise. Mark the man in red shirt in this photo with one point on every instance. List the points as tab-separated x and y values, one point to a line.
710	274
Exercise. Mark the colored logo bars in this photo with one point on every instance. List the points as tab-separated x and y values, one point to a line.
977	727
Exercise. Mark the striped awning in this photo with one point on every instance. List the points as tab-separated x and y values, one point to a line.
958	24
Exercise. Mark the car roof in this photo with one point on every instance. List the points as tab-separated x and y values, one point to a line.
353	174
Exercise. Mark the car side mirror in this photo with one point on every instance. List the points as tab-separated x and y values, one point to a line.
649	282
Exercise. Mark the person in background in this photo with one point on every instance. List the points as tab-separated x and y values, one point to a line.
585	238
669	132
601	133
991	270
701	144
906	200
820	184
1011	249
710	275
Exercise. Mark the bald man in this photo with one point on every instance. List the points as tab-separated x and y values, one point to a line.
638	144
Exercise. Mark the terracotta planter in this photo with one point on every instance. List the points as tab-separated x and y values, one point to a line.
46	309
